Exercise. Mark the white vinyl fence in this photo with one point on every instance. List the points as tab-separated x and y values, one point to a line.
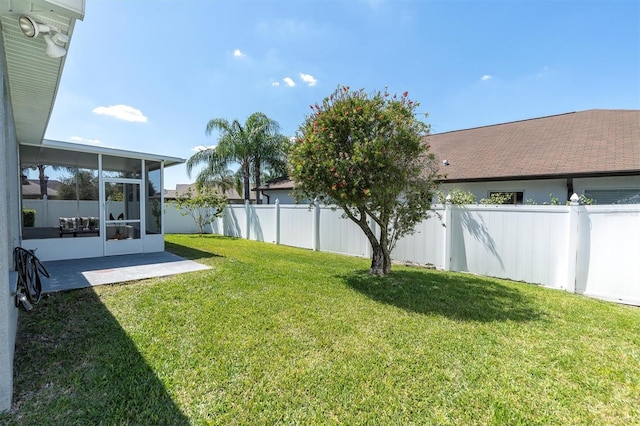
591	250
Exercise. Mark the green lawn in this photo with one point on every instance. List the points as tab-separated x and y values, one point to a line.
277	335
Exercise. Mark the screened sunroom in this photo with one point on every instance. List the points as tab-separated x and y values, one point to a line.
91	201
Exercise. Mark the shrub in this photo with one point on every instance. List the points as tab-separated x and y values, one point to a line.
497	198
28	218
458	197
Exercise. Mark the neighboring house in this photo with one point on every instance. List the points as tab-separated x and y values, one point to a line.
31	189
183	188
594	152
279	189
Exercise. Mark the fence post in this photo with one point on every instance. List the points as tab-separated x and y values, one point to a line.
315	237
572	249
446	248
247	213
277	221
45	207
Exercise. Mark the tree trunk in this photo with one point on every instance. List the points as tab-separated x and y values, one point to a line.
377	260
386	254
245	181
256	172
43	180
381	255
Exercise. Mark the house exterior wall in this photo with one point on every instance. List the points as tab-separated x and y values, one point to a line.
536	190
607	183
9	227
283	195
540	190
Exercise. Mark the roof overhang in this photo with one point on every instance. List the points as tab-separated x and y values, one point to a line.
33	76
48	145
543	177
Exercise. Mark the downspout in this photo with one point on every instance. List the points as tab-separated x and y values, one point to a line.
569	187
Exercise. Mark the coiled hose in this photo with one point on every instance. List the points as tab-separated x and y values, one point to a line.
29	268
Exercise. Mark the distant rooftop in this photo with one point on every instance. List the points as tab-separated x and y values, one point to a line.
593	142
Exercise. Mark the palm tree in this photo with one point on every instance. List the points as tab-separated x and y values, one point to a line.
244	144
270	157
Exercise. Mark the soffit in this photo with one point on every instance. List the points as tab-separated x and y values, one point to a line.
33	76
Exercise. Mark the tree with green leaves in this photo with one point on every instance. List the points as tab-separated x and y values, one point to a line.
269	159
82	184
366	154
254	145
203	206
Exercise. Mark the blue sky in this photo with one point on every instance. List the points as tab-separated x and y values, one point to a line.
148	75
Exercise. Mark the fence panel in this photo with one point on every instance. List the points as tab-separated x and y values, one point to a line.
234	221
176	223
523	243
609	253
426	245
296	225
48	211
341	235
263	223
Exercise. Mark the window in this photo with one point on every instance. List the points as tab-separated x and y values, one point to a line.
514	197
613	196
60	193
153	212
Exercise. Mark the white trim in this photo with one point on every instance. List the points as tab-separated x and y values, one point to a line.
76	147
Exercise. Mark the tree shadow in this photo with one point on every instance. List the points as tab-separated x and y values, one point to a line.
189	252
477	228
456	296
256	226
74	364
230	224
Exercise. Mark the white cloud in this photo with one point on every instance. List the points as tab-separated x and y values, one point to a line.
238	53
275	83
486	77
199	148
122	112
85	140
289	81
309	79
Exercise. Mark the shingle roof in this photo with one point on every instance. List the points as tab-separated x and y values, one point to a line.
31	188
593	142
277	184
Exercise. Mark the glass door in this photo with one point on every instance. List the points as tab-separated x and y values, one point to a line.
122	213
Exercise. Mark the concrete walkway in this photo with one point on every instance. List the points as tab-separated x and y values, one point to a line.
80	273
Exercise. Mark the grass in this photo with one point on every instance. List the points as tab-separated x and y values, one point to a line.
277	335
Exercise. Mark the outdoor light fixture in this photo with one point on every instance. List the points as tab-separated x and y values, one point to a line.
51	35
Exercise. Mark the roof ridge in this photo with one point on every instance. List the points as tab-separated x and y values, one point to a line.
530	119
508	122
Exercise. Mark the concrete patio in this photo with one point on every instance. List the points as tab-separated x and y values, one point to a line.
80	273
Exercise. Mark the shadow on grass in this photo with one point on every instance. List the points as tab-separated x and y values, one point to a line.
462	297
188	252
74	364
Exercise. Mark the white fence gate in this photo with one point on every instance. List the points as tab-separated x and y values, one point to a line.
592	250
